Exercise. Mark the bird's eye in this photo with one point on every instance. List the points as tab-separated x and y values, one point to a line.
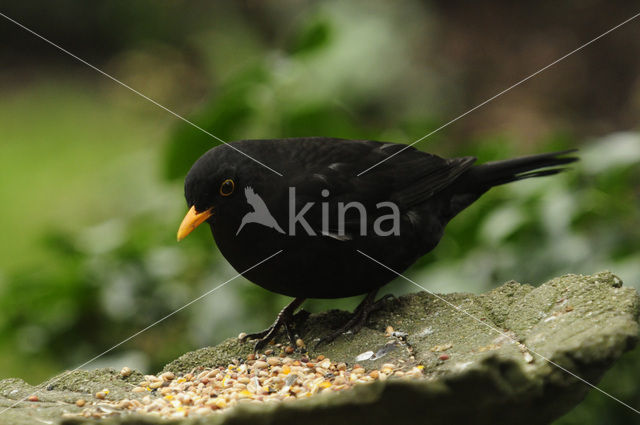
226	188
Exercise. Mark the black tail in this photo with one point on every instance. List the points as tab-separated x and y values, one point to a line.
480	178
500	172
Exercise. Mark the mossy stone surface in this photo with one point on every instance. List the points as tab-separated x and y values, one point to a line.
486	359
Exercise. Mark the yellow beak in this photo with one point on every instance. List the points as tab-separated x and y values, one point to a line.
192	220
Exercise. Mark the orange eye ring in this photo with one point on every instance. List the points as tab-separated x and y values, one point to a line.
227	187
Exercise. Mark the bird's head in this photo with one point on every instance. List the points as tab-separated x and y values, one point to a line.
212	182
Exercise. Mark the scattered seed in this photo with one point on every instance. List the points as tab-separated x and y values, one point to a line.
290	380
444	357
488	348
154	386
124	404
125	372
364	356
443	347
299	343
528	357
389	330
289	349
325	364
253	380
33	398
274	361
260	364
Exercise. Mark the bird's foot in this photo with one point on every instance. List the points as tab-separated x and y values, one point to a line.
359	318
284	319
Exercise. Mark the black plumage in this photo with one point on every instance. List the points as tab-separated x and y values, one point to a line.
428	191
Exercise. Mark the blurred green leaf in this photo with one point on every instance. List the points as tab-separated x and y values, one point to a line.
314	35
224	117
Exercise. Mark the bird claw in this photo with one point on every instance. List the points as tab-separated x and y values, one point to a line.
359	318
284	318
266	336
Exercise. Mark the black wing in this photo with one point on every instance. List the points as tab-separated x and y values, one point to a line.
405	176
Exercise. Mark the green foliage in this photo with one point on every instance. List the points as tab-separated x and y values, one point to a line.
533	230
315	35
107	282
223	117
335	76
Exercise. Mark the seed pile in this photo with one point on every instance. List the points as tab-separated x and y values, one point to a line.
257	379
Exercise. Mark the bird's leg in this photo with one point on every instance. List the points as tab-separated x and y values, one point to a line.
359	318
284	318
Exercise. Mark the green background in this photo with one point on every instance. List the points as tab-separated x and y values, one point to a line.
91	187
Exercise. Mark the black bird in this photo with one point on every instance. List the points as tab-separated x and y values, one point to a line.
328	210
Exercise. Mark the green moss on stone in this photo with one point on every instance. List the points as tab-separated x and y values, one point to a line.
493	370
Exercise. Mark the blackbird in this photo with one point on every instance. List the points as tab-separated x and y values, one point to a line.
319	209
